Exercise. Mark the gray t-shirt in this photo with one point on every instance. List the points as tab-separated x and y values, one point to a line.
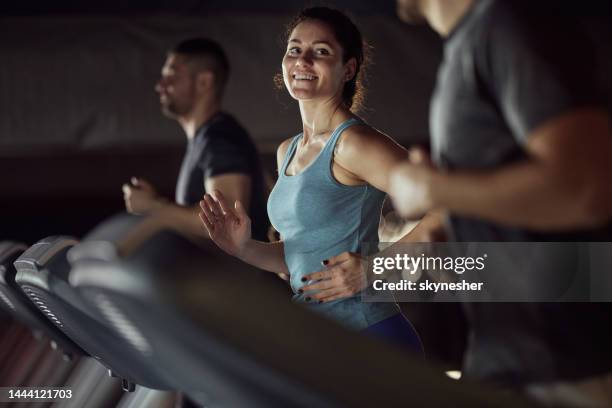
506	70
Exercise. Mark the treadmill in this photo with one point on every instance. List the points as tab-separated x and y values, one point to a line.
215	331
43	273
21	306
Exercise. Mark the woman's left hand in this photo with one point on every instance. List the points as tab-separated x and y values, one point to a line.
343	277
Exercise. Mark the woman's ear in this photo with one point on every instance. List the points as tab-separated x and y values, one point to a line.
350	69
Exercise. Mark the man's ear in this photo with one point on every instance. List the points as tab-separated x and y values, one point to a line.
350	69
205	81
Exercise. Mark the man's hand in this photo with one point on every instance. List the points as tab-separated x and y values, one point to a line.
411	185
140	197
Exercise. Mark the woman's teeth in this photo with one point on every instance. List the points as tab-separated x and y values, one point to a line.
304	77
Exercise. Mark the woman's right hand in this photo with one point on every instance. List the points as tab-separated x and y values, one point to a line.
229	228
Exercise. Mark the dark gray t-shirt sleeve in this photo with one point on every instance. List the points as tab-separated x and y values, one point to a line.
223	155
537	67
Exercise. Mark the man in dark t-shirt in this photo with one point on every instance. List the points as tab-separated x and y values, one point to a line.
220	147
220	154
521	151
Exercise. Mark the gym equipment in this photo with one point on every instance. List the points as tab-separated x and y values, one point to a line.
43	272
203	322
21	306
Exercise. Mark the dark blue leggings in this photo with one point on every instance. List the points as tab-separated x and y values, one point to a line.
398	330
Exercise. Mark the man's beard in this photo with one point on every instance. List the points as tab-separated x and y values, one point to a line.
172	110
169	111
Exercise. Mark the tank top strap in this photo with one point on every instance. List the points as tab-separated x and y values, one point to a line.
333	139
290	153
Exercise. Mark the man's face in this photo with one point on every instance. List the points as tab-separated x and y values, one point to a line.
176	87
409	11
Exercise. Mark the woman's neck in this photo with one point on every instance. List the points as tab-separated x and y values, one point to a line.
322	117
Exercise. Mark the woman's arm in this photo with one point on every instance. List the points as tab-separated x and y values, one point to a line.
368	156
269	256
371	156
230	229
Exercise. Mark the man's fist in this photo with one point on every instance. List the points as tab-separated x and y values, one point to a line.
140	197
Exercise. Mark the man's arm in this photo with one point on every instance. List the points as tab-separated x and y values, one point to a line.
563	184
141	198
233	186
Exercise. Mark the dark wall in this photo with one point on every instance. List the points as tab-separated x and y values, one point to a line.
78	114
86	83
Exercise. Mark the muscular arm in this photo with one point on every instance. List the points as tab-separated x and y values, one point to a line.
182	219
233	186
549	104
564	183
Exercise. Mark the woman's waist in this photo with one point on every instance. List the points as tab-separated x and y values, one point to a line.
351	311
303	261
303	246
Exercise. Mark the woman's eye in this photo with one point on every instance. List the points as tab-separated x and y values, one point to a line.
293	51
322	51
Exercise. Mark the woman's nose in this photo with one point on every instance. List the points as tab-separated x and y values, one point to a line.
305	59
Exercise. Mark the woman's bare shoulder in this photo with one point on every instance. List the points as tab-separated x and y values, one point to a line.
281	151
363	138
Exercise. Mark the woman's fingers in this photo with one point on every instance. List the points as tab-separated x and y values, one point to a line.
210	227
319	285
219	198
224	205
340	281
338	259
206	214
240	211
214	206
206	209
333	296
315	276
328	294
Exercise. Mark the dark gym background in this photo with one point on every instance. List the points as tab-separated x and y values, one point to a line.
79	116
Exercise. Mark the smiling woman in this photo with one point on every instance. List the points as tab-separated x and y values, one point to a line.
338	39
332	181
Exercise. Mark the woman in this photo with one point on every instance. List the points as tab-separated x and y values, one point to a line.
331	186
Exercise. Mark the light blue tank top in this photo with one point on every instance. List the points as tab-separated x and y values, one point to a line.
318	218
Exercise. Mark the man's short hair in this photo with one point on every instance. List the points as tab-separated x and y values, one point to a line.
207	54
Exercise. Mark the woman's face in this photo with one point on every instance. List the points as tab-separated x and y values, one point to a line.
312	65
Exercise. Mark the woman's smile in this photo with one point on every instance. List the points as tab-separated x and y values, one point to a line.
312	65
